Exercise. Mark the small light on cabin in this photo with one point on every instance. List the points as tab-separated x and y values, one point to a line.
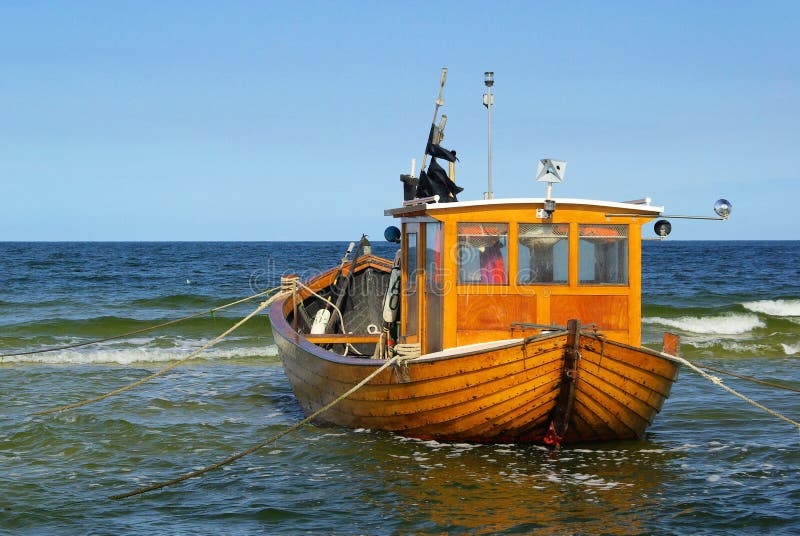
549	206
662	228
392	234
723	208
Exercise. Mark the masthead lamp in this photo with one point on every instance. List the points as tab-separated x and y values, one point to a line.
488	101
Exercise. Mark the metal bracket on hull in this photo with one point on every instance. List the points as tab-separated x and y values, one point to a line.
559	419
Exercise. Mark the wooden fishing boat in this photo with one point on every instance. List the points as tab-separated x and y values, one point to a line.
520	320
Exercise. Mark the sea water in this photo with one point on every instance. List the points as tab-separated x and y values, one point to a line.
711	463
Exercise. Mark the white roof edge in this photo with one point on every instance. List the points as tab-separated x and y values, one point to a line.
537	200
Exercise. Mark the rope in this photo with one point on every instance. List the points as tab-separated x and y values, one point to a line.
142	330
169	367
408	351
326	300
258	446
751	379
718	381
348	346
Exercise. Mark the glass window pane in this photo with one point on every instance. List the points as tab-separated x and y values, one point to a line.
433	254
603	253
412	301
483	253
412	259
543	253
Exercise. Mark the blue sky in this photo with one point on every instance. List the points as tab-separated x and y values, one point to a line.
292	121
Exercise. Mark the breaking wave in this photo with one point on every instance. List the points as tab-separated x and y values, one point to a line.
728	324
791	349
774	307
127	356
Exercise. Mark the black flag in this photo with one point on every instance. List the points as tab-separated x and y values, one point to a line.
436	182
438	151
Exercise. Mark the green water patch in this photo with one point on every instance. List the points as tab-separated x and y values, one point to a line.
197	301
108	326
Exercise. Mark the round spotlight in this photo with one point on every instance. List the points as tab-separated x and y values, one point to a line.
723	208
392	234
662	228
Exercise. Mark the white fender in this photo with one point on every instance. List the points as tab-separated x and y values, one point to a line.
391	301
320	322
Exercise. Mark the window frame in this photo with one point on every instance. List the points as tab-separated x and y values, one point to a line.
623	268
505	253
565	239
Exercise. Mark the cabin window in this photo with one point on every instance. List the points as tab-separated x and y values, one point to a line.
603	253
412	300
483	253
412	268
433	255
543	253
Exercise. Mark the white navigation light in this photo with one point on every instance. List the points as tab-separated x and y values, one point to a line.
550	170
723	208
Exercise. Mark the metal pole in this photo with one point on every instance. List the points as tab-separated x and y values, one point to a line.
439	104
490	193
488	101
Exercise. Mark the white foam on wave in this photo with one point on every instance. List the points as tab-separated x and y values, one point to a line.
774	307
728	324
127	356
791	349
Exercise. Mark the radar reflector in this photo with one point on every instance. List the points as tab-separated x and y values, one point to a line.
550	170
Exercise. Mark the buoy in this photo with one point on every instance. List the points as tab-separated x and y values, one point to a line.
320	322
391	300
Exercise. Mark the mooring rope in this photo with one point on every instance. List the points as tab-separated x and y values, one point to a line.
264	443
718	381
142	330
408	350
751	379
169	367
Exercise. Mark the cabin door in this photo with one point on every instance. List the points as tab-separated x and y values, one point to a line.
434	291
410	305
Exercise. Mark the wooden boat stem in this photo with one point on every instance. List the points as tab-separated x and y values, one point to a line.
559	421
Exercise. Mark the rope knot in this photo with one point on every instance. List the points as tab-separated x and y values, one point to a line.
289	282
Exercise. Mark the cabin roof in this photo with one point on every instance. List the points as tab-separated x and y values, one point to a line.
637	207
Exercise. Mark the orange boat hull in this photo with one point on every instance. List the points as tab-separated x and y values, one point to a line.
498	392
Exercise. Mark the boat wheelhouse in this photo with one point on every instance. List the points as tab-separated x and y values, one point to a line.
480	271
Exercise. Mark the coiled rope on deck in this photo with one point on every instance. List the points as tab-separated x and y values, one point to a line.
264	443
142	330
169	367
